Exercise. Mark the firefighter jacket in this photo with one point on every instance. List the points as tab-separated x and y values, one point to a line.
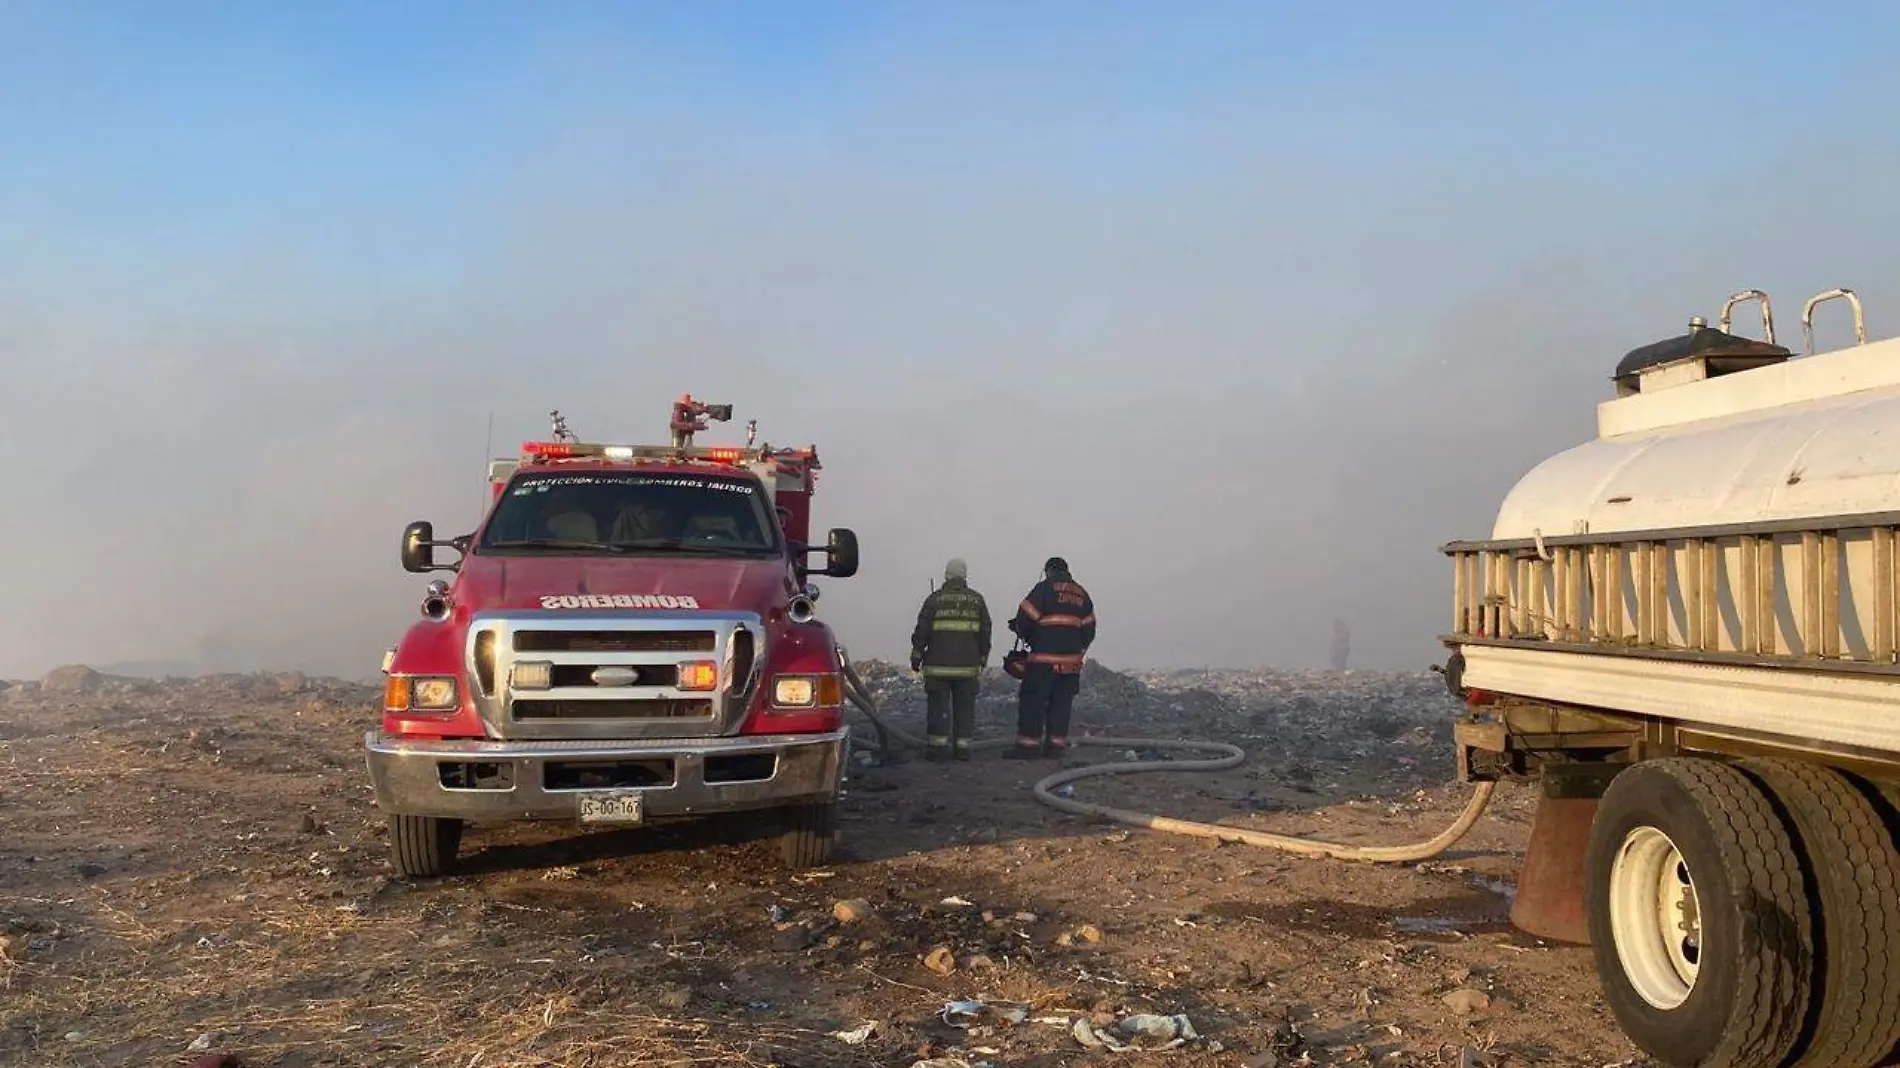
952	637
1057	621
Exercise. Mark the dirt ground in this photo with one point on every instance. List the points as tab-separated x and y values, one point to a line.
197	867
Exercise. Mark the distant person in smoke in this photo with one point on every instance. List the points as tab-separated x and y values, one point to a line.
1057	621
1342	644
949	646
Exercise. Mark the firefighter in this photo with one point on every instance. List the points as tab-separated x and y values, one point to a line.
1057	622
950	645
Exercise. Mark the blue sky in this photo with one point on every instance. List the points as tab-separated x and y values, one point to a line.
191	122
272	266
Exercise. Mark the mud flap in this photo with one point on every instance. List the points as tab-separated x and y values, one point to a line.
1550	886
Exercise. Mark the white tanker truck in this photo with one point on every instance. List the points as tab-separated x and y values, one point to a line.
1685	630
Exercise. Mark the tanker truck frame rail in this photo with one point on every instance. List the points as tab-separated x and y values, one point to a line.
1687	631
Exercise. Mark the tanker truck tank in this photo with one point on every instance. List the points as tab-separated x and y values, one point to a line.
1684	631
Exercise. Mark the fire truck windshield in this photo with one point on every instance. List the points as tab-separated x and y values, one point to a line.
631	512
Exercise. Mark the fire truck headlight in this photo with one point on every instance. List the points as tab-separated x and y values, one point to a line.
793	692
434	693
805	691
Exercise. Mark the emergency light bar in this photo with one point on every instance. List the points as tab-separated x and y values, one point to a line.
573	450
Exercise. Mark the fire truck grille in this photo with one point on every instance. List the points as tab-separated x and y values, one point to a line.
542	708
614	641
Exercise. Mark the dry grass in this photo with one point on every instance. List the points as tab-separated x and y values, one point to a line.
201	863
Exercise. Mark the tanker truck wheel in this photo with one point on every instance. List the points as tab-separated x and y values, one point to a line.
1855	872
423	847
1699	919
810	834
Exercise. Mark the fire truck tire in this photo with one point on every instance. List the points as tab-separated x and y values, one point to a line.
423	847
1855	872
811	832
1699	917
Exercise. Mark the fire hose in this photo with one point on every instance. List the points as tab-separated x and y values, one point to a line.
1223	756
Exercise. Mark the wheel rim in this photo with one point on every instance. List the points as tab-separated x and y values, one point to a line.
1654	918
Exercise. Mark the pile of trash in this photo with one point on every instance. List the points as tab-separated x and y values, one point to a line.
990	1024
1348	716
81	682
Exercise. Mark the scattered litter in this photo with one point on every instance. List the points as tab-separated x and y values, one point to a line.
1140	1032
941	960
857	1036
966	1014
958	901
561	873
203	1042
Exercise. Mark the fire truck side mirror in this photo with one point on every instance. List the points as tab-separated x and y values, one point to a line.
841	553
419	545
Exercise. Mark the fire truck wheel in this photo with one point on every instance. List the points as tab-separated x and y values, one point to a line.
423	847
1850	859
810	833
1699	918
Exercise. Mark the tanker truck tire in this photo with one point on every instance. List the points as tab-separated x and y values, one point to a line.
1855	875
810	835
424	847
1699	917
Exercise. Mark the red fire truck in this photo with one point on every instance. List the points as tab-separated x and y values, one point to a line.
629	637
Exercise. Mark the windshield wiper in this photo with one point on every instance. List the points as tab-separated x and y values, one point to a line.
555	543
681	545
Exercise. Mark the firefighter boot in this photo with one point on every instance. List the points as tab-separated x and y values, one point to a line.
963	718
937	719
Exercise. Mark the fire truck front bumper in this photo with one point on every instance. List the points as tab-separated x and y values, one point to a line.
631	780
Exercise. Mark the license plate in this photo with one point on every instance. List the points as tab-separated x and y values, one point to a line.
620	806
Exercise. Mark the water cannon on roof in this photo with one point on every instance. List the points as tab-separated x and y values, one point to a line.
689	418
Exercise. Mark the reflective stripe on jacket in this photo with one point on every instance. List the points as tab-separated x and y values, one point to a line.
1057	620
952	636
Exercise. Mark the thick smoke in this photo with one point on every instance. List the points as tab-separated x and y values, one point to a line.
1246	377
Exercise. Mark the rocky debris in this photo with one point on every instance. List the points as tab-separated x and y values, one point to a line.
73	678
1466	1000
793	937
855	910
1086	935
